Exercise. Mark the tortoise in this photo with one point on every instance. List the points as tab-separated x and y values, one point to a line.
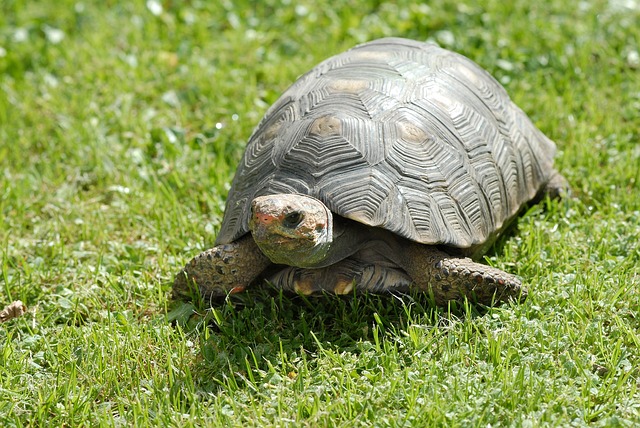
391	166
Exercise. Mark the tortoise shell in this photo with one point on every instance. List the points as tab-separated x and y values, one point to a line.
401	135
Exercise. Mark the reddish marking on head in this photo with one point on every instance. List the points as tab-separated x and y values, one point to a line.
265	219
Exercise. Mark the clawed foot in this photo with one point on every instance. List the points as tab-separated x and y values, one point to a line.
221	270
459	278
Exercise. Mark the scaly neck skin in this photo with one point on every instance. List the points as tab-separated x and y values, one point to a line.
348	238
351	237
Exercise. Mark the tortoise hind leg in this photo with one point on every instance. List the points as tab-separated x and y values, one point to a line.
341	278
455	278
557	187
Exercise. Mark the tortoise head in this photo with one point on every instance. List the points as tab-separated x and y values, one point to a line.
291	229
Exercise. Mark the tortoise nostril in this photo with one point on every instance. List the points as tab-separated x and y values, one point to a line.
263	219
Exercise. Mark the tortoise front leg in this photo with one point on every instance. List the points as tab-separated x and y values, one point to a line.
220	270
455	278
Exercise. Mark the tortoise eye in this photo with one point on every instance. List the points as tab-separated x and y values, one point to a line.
293	219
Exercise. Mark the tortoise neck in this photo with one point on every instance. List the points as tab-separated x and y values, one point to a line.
348	238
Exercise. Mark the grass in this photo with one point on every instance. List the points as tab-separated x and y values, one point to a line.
120	127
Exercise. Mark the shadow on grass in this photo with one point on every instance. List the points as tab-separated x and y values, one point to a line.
265	330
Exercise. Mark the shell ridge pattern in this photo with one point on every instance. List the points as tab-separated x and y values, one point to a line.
382	96
539	148
484	94
326	106
532	159
416	157
483	166
477	94
478	122
360	198
449	165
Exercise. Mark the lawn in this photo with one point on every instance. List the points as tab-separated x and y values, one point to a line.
121	124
